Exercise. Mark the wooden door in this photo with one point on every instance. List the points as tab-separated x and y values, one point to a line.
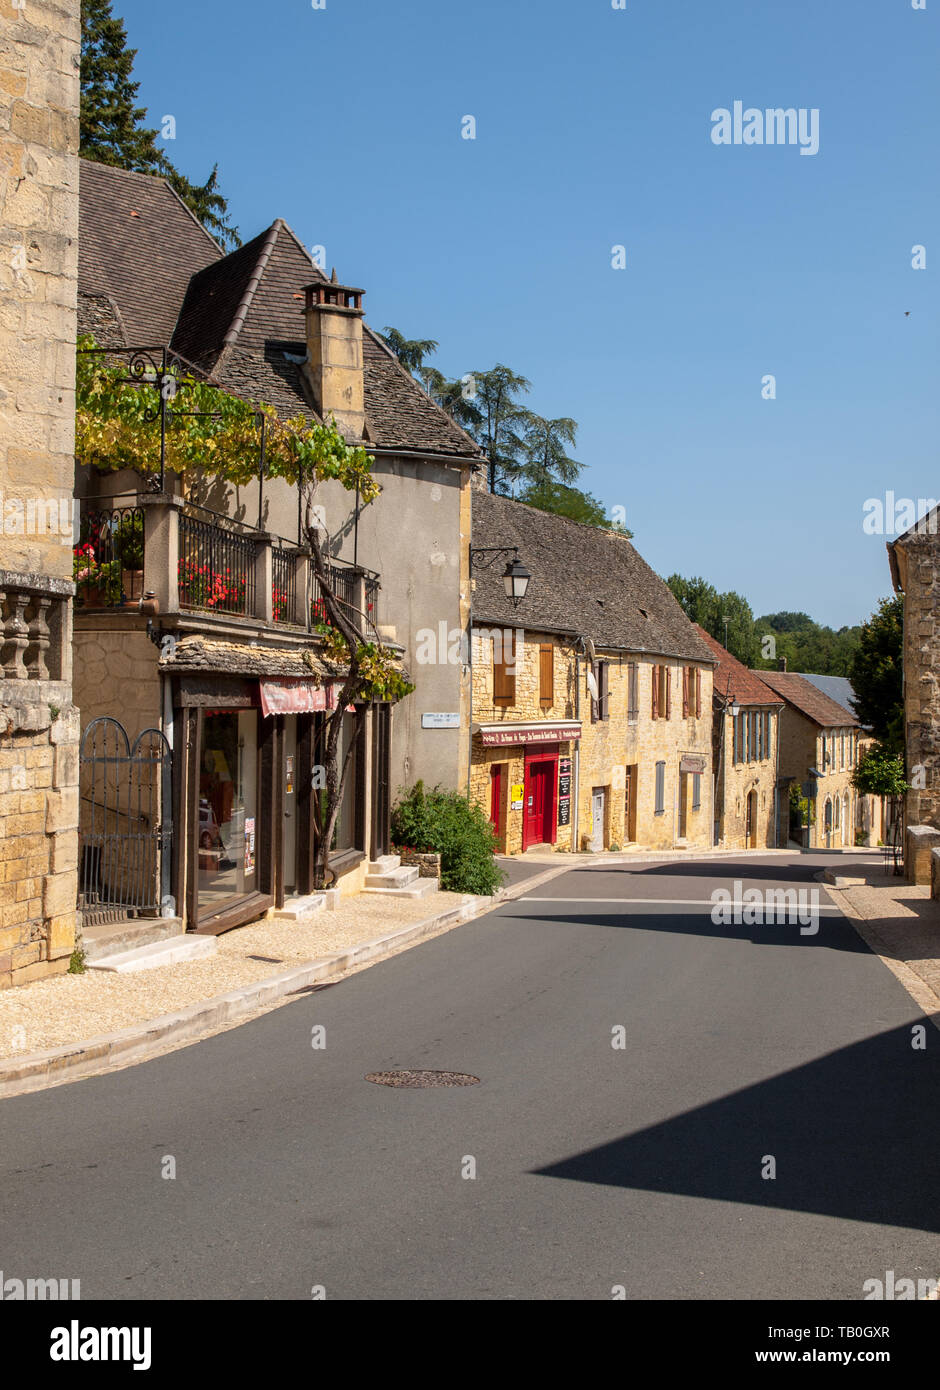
629	809
751	828
496	795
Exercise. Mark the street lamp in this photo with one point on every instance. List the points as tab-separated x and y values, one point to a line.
516	575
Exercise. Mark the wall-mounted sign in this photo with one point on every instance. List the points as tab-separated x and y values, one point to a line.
564	810
491	734
249	845
290	775
298	697
692	762
518	791
440	721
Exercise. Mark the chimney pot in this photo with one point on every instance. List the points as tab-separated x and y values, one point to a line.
781	663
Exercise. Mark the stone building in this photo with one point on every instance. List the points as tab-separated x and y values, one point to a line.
592	699
745	755
818	750
914	559
874	815
225	694
39	96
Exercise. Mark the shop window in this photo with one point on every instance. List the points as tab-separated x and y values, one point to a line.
228	807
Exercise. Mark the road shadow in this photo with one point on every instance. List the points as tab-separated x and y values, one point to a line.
834	932
854	1135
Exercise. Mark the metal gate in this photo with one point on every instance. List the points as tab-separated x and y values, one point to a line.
124	821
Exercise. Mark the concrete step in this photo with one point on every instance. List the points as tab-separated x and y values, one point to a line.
126	936
300	909
398	878
418	888
168	952
384	864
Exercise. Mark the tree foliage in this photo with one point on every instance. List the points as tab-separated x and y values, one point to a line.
880	772
726	617
452	826
410	352
876	674
806	645
113	128
573	503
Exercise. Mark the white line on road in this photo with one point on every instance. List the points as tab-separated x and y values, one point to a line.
651	902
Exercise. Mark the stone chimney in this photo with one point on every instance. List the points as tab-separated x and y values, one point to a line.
781	663
333	368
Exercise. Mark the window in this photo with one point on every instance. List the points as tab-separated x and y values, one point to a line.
660	788
546	675
599	703
633	693
662	683
691	692
504	669
696	791
768	734
842	750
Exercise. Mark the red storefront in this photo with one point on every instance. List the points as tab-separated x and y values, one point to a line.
536	754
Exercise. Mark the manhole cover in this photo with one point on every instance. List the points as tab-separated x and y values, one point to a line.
422	1078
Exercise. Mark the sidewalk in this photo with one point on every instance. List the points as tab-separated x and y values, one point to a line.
901	924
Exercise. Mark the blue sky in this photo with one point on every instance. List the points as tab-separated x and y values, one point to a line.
594	130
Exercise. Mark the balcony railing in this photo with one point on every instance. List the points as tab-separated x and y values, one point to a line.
217	562
108	566
185	557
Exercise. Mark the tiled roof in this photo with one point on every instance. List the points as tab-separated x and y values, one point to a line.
139	244
733	680
838	688
100	316
805	697
585	581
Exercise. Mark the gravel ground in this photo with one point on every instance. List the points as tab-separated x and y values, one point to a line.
72	1008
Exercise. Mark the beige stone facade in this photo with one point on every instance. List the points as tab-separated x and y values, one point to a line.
39	95
627	783
915	569
748	814
833	752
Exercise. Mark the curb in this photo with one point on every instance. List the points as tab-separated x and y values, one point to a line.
37	1070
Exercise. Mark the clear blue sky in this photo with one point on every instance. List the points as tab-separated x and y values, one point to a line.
593	130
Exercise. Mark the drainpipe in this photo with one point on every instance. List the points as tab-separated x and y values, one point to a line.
576	759
167	902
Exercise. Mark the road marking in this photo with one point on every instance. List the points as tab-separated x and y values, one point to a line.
655	902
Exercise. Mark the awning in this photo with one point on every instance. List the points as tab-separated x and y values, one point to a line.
296	697
535	731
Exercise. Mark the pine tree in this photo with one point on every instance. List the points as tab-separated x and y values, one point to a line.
113	127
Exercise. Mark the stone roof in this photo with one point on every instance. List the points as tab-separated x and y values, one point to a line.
198	653
139	244
805	697
236	315
585	581
733	680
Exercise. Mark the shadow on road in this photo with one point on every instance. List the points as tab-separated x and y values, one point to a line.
853	1135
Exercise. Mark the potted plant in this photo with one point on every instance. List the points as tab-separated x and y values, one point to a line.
129	551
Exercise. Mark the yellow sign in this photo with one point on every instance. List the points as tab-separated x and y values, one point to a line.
518	791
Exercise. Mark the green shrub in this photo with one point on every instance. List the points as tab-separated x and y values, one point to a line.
77	962
457	830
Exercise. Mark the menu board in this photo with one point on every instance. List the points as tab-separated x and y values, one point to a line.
564	791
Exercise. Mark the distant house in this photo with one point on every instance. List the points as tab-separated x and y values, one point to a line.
233	686
819	742
592	699
748	796
874	817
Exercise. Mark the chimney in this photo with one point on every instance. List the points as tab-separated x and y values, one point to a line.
781	663
333	368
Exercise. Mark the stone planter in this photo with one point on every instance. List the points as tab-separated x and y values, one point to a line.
427	862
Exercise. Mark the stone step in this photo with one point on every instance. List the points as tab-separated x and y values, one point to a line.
398	878
418	888
171	951
300	909
384	864
125	936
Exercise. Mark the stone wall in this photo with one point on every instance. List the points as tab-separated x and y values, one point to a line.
39	94
918	557
738	780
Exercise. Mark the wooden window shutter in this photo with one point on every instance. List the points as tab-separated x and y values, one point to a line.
685	692
546	674
698	693
602	688
668	692
504	672
655	691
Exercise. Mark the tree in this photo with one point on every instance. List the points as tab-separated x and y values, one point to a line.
112	127
573	503
111	124
880	773
544	458
410	352
726	617
876	674
499	433
806	645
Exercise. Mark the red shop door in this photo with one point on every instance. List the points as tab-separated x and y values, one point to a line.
496	794
539	824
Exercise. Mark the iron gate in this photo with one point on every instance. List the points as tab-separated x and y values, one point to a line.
125	822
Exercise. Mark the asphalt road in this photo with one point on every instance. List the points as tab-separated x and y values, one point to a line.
595	1166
